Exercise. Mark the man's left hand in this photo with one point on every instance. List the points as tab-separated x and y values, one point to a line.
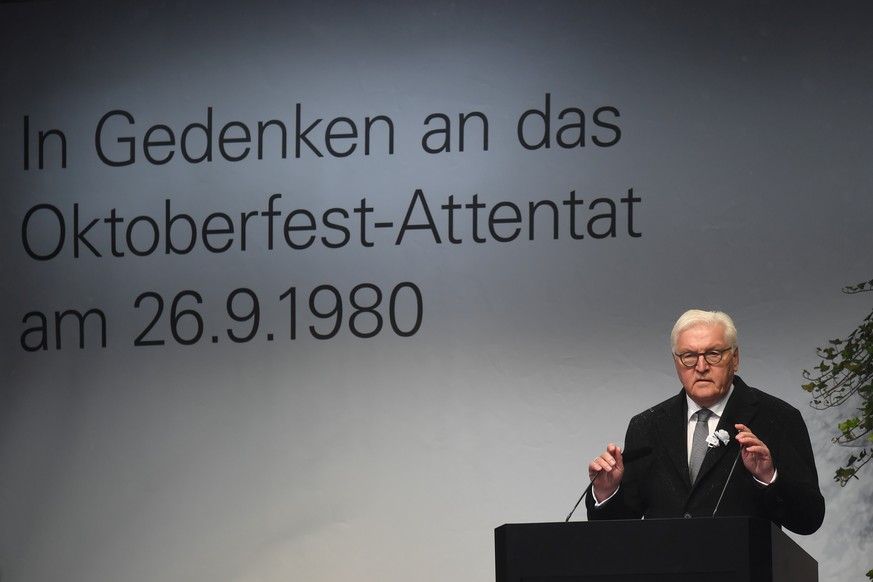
756	455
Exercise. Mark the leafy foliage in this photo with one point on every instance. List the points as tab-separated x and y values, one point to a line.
844	375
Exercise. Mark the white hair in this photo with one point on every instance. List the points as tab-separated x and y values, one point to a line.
695	317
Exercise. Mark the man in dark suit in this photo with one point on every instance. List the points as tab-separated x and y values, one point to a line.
757	449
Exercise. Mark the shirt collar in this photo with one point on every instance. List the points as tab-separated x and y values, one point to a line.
717	408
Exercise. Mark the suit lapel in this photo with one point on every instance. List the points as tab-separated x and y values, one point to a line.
741	408
674	434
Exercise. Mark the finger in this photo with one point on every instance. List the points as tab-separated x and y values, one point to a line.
617	455
747	439
745	435
604	463
612	456
598	464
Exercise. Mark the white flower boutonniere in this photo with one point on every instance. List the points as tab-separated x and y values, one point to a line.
719	437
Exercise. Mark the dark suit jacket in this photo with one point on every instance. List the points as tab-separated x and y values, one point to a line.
658	486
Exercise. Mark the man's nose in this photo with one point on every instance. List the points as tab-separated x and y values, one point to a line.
702	365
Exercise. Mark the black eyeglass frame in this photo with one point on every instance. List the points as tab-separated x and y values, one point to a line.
712	357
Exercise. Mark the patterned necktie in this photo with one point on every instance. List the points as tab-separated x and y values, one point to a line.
698	443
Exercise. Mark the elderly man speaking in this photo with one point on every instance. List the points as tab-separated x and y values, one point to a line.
719	446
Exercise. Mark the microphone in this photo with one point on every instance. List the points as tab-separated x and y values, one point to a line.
723	489
627	457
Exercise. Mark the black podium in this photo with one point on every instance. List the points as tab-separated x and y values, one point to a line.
719	549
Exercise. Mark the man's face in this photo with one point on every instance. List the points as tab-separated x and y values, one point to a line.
706	383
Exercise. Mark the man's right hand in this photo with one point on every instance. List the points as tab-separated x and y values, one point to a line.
610	468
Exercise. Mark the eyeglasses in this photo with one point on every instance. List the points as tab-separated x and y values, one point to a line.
712	357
